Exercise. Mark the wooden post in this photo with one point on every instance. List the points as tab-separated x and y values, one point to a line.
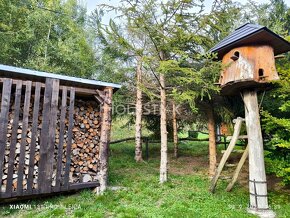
175	135
44	138
147	148
225	141
257	176
106	110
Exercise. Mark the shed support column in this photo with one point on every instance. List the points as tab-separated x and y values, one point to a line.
257	176
106	110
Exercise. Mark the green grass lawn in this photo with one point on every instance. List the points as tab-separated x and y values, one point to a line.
184	195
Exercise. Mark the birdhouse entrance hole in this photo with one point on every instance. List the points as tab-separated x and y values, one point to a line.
261	72
237	54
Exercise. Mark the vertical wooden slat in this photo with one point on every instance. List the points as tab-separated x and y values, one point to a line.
33	136
23	137
44	136
13	137
51	134
69	138
6	92
61	139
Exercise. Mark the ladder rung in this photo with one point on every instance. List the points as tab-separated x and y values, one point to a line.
240	137
225	177
233	151
231	165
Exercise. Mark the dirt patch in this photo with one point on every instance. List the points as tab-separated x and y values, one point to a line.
273	182
188	165
199	165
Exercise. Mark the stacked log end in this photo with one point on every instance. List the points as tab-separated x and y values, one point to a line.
85	144
85	147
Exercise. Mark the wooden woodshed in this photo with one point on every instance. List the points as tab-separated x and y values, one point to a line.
54	132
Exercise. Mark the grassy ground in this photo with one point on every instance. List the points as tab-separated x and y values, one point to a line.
185	195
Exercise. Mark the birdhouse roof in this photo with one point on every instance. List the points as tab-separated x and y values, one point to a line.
251	34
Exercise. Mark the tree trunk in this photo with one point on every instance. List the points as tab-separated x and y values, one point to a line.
47	40
138	124
175	136
212	141
105	139
257	175
163	129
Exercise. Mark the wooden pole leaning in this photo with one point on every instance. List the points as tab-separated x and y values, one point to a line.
238	169
237	129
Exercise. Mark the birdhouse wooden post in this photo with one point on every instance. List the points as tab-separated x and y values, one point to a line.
248	55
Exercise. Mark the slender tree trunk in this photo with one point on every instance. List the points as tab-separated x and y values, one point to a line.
163	128
175	136
106	110
47	40
212	141
138	124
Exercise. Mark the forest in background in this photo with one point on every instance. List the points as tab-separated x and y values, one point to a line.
157	50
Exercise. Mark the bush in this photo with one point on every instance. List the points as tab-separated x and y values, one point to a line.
276	124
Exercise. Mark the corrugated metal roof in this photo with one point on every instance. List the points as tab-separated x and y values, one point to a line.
16	72
251	34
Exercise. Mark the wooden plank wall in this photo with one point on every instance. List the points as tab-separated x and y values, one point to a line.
50	158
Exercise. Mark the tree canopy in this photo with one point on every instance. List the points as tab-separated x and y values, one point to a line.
46	35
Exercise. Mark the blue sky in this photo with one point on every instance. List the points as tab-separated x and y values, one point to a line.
91	4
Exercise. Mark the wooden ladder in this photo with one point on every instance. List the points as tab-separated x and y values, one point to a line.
237	129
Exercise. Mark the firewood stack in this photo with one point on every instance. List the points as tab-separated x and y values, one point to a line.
86	136
85	144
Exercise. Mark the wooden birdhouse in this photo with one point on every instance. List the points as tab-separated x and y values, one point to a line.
248	55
